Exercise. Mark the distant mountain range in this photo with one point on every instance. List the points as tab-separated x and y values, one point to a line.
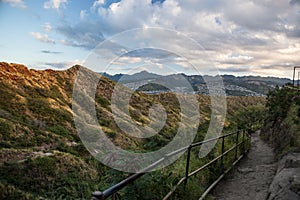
234	86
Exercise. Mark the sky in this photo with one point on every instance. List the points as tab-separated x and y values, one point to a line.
239	37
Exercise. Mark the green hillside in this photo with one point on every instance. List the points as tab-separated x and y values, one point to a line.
282	125
42	156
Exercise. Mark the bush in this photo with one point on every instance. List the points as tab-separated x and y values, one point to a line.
60	130
5	127
111	134
281	127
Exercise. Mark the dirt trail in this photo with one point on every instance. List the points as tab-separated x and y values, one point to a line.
252	177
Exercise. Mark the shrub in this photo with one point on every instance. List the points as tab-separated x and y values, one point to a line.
59	130
5	127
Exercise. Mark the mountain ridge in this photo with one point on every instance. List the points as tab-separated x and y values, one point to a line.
234	85
116	76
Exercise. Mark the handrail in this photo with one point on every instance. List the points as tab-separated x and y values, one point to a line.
115	188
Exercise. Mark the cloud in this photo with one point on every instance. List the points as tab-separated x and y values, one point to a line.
55	4
97	3
51	52
236	59
15	3
63	65
294	2
252	15
57	65
42	37
84	34
149	53
235	33
206	20
83	14
277	67
143	56
292	49
47	27
235	69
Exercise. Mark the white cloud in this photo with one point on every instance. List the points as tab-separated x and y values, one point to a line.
235	59
15	3
128	60
292	49
83	14
42	37
85	34
114	7
260	32
173	6
64	64
47	27
97	3
55	4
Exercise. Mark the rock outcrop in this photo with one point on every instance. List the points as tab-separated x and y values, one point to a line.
286	183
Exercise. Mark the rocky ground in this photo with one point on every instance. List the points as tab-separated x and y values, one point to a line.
252	177
286	183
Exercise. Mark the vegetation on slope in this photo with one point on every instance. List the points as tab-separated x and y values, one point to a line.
282	125
42	156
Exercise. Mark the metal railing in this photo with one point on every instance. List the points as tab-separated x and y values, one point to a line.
238	142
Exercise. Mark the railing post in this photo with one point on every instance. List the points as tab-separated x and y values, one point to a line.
244	141
249	137
236	144
187	164
221	162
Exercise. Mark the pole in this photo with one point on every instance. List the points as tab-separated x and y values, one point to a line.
244	149
236	144
294	76
298	79
222	155
187	164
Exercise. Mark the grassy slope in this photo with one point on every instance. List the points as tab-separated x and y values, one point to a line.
41	154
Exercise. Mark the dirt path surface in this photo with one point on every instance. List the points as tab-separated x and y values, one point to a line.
252	177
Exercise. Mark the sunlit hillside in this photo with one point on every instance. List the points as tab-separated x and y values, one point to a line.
41	153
